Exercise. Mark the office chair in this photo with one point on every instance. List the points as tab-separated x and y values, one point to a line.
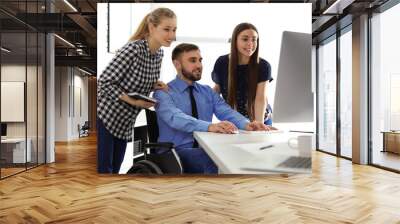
84	130
161	157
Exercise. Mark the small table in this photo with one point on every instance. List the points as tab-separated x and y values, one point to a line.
13	150
391	141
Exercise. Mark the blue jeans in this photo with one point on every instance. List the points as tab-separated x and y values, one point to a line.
110	150
195	160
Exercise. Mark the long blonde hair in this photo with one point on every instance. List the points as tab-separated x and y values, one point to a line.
154	18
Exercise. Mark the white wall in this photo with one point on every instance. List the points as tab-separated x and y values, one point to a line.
80	83
68	83
103	57
61	106
210	33
33	125
14	73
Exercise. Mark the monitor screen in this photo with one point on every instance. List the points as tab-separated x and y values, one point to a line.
3	129
294	100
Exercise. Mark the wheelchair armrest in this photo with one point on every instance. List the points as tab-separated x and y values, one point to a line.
165	145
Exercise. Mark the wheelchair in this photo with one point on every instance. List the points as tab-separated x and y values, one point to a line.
158	157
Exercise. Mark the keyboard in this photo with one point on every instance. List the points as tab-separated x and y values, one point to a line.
297	162
261	132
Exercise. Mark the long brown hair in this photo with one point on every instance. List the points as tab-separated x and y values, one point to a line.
252	74
154	18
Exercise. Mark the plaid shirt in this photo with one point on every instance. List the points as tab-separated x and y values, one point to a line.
133	69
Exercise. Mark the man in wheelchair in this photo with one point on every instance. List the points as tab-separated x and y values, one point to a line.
189	106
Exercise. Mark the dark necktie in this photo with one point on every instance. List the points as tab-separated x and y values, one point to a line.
194	111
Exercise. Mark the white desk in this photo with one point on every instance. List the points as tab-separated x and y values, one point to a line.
230	151
17	147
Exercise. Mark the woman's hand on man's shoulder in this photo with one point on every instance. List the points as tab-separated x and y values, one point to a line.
160	85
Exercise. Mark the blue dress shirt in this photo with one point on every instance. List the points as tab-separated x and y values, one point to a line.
174	112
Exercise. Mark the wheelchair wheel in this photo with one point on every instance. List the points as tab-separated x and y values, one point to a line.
144	167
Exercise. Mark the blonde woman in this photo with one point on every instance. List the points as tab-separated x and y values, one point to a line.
134	68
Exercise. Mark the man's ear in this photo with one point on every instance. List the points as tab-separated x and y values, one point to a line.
177	64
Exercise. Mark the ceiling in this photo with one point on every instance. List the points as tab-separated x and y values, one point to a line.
76	21
75	43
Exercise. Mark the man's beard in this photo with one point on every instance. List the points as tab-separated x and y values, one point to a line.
190	75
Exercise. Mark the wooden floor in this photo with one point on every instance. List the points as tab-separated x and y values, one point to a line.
387	159
10	171
70	191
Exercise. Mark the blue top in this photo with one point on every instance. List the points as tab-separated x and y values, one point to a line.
174	112
220	76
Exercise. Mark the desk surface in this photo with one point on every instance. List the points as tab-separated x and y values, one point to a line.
13	140
226	151
391	132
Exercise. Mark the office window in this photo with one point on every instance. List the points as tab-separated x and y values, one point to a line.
31	96
35	88
327	95
22	77
385	88
346	92
41	109
13	83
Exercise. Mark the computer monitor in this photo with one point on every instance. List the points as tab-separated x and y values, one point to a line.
294	100
3	129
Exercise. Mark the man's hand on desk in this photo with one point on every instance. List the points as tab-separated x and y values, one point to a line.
258	126
224	127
